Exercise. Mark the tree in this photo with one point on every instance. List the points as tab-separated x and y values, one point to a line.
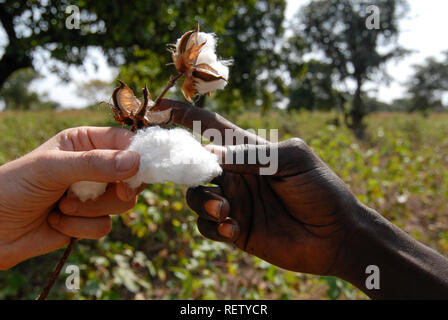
120	28
17	95
135	33
95	91
338	29
428	84
253	38
247	34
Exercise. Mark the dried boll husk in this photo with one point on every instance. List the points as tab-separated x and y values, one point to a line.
194	56
129	110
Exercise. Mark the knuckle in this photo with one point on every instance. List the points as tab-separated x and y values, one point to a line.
298	143
294	151
90	157
71	133
67	138
66	132
74	137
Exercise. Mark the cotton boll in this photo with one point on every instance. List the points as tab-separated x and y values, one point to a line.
88	190
203	87
172	155
209	39
195	57
208	55
165	156
222	67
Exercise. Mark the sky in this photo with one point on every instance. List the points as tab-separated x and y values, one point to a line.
423	31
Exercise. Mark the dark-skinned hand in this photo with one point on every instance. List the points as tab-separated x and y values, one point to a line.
297	218
303	217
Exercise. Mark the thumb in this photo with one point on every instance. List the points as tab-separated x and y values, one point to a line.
248	158
67	167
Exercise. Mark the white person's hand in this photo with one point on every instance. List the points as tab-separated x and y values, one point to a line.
38	216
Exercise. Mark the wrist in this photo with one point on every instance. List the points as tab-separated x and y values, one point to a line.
404	268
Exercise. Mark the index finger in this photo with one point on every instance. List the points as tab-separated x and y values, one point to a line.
196	118
89	138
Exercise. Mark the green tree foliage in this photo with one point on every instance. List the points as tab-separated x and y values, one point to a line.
254	37
249	32
16	94
313	88
374	105
95	91
122	29
428	85
401	104
134	34
338	29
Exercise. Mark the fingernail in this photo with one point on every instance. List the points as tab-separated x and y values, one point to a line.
68	206
54	219
125	160
213	208
227	230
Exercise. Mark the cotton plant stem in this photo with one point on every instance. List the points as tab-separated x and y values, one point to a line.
57	270
70	246
170	84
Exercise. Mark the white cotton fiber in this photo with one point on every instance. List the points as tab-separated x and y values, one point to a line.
208	56
172	155
86	190
165	155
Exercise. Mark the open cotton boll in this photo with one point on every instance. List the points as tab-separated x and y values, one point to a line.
203	87
208	55
172	155
208	50
195	58
86	190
